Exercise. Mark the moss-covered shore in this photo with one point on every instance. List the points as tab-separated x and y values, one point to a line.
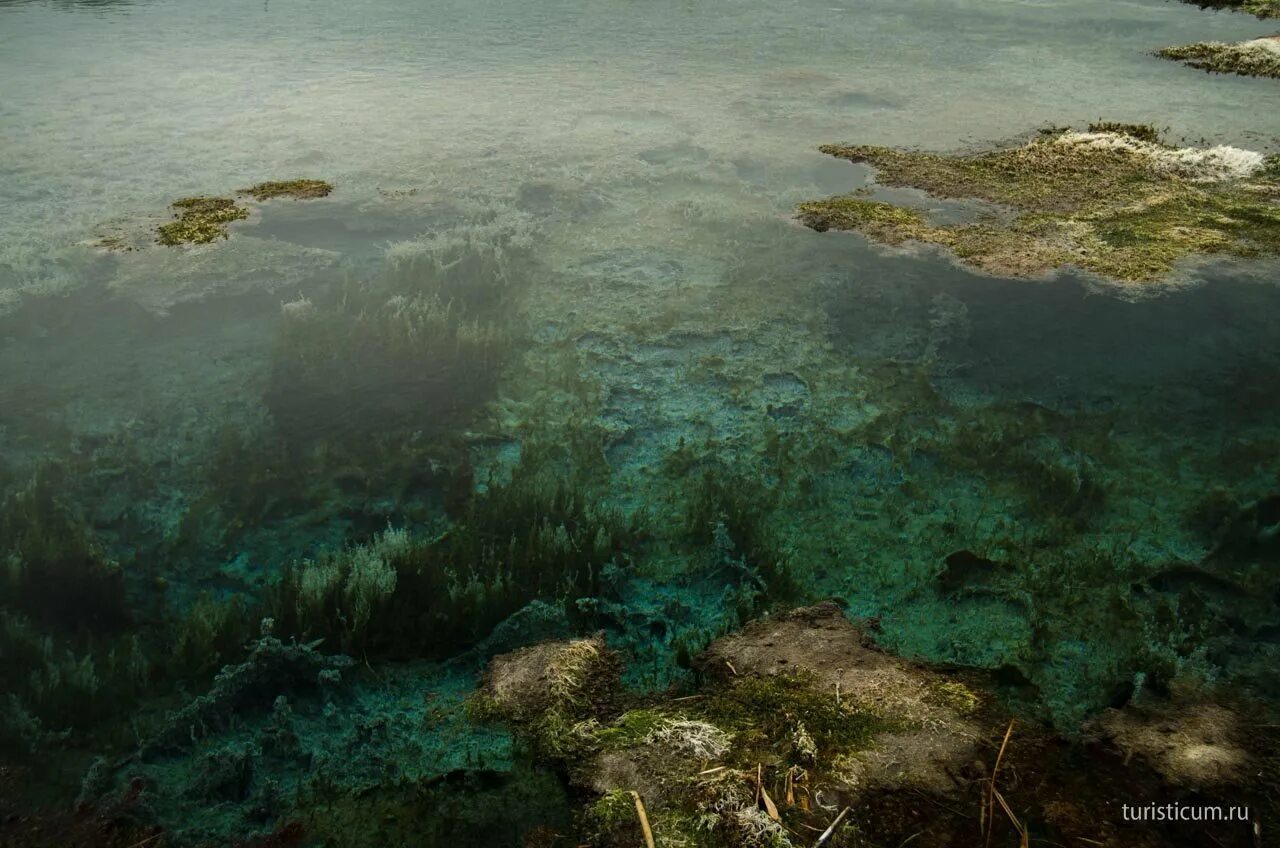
1261	8
802	732
1112	200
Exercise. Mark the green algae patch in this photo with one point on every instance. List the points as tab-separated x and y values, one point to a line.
296	189
1259	57
631	728
1259	8
203	219
1112	201
792	713
888	223
200	220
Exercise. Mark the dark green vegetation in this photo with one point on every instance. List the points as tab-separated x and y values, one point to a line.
1257	58
394	597
67	656
769	713
1110	201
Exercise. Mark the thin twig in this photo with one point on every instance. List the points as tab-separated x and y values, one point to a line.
644	821
990	818
826	834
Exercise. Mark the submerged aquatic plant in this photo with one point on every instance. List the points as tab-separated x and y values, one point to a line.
340	591
418	349
410	361
1112	202
52	567
401	596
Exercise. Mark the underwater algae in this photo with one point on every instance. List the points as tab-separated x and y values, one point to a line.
1259	57
1108	201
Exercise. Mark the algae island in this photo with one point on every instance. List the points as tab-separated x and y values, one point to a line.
1113	200
204	219
1258	57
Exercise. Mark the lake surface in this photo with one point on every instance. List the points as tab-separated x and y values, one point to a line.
557	292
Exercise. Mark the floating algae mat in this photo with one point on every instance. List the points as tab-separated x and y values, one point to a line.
1259	57
1113	200
435	425
202	220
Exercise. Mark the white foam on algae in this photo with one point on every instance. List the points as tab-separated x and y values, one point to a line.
1266	44
1212	164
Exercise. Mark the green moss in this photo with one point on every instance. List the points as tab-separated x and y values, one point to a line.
483	708
1125	209
1249	58
770	711
200	220
297	189
892	224
613	811
204	219
631	728
955	696
552	697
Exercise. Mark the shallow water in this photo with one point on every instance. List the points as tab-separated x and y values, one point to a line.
608	187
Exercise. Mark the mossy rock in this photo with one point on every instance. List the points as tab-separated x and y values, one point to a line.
296	189
800	715
1114	201
550	694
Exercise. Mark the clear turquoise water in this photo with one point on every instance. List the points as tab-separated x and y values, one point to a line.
625	171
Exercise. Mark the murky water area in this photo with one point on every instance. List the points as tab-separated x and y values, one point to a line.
555	339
